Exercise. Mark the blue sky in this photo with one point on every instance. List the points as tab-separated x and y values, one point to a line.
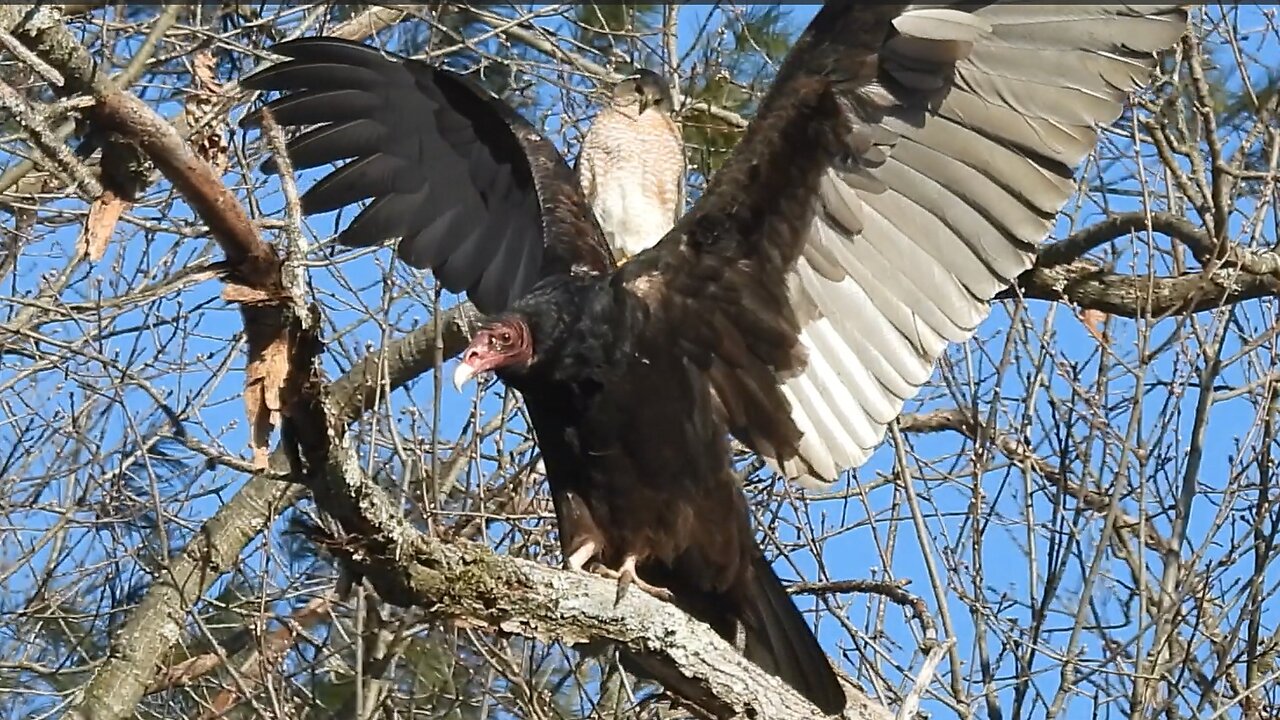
354	288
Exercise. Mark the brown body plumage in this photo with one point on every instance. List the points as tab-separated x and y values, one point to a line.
634	377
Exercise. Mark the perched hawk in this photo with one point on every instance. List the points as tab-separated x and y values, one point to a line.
631	165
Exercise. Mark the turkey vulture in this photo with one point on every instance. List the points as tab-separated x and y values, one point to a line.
900	171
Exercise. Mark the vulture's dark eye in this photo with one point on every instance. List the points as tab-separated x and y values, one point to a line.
505	337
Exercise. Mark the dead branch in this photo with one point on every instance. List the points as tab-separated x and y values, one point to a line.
894	591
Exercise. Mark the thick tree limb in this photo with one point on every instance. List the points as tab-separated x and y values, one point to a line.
470	582
1202	245
1233	273
1089	285
252	261
159	620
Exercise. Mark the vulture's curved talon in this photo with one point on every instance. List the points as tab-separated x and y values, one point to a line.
626	577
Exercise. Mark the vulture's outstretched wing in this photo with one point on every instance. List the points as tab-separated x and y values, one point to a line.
908	161
474	191
896	269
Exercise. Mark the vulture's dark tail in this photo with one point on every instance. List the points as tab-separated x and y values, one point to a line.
780	641
758	618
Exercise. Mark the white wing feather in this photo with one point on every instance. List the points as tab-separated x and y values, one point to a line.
904	256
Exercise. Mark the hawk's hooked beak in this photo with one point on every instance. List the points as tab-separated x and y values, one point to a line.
462	374
644	103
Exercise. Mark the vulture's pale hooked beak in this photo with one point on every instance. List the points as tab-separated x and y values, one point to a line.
462	374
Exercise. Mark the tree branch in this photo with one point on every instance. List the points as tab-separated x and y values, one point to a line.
961	421
252	261
532	37
58	157
1196	238
1233	273
469	582
159	620
1089	285
45	31
401	361
893	590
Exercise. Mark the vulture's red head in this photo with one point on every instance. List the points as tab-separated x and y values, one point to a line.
505	343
